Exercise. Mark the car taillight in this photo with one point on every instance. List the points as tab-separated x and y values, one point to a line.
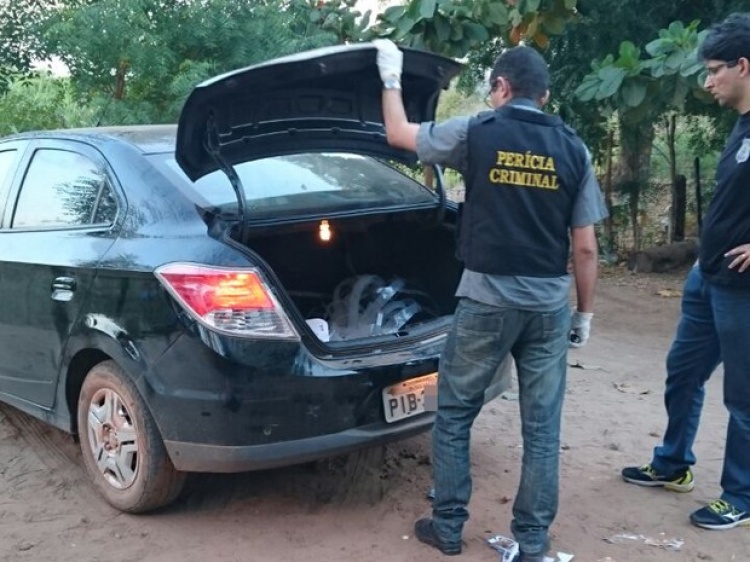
232	301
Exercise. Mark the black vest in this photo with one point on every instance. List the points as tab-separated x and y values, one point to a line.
525	170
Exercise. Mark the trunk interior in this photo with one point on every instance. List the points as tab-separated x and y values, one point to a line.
376	275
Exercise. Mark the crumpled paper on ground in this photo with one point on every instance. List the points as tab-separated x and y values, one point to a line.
509	551
662	542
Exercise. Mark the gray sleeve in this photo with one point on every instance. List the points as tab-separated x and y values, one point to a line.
589	207
444	143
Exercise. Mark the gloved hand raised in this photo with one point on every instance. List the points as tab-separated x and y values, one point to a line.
390	60
580	328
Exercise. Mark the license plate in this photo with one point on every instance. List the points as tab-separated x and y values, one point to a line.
407	398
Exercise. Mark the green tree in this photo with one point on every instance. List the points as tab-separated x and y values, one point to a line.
459	27
138	59
18	44
474	30
629	28
599	30
33	101
641	91
339	17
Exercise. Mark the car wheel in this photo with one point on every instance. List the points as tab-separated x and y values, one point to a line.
122	450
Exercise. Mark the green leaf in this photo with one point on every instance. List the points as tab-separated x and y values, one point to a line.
404	26
588	88
527	6
629	53
476	32
673	62
497	14
442	28
609	60
553	24
393	14
457	31
515	17
690	66
427	8
633	92
364	23
570	4
611	78
656	48
464	47
676	28
681	91
413	10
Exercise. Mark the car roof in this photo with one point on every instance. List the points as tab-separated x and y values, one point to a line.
150	139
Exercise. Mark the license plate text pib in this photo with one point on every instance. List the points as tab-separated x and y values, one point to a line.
410	398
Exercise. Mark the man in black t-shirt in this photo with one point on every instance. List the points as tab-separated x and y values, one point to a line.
715	324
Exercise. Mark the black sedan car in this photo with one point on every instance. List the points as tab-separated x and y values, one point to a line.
258	286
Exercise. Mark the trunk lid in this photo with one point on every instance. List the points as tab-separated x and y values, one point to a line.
323	99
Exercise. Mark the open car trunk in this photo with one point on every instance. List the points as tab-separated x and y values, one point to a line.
381	279
387	275
377	275
303	136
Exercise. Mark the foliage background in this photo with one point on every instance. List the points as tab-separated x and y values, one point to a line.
135	61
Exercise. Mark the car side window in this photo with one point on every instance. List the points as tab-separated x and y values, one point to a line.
64	189
7	158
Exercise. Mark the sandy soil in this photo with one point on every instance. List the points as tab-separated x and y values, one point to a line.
363	507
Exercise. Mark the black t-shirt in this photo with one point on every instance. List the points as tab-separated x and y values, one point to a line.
727	223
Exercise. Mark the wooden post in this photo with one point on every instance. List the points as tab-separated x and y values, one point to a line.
680	207
698	195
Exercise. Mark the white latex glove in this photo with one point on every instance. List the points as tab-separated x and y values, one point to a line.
580	328
390	59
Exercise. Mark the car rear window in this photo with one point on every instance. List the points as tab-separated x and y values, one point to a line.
302	184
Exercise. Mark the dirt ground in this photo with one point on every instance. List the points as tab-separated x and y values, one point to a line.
363	507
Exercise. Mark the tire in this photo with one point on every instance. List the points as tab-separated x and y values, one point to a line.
123	452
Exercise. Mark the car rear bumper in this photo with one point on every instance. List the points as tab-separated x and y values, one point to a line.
202	457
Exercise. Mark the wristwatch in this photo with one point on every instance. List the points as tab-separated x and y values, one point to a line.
391	84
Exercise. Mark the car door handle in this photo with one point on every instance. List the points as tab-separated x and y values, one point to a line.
63	288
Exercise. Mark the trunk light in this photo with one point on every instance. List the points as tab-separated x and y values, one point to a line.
324	231
233	301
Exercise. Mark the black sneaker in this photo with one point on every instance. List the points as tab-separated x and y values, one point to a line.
646	476
719	515
425	532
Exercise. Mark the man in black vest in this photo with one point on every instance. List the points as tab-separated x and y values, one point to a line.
530	190
715	322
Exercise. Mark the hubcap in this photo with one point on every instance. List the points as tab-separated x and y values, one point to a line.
113	438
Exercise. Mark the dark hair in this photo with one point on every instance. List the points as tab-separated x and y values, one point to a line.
526	71
728	40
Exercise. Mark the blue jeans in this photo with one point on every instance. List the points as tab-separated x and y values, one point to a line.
714	327
481	337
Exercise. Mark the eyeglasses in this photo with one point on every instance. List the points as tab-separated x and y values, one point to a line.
714	70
